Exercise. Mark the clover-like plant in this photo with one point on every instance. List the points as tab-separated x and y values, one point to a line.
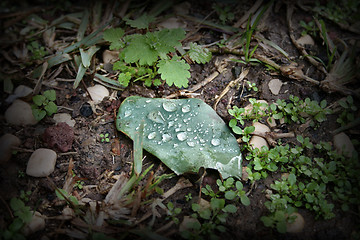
146	56
44	104
185	134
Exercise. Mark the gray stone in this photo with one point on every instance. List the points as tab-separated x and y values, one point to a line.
98	92
343	144
20	113
41	163
7	141
64	117
275	86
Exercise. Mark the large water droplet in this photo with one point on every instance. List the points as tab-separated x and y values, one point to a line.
156	116
127	113
215	142
152	135
191	144
166	137
182	136
170	124
186	108
169	106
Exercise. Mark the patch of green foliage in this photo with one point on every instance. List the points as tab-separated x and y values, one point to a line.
292	110
316	183
22	215
224	12
309	28
211	221
349	110
37	51
146	56
44	104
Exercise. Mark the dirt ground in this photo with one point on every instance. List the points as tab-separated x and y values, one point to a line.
96	163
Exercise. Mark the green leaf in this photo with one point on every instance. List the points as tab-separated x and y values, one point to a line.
140	51
39	99
16	204
245	200
230	208
114	35
199	54
168	39
268	222
205	213
174	71
124	78
292	179
38	113
281	226
50	108
141	22
230	195
169	134
50	95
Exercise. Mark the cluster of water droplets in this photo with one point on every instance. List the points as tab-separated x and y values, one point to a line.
174	121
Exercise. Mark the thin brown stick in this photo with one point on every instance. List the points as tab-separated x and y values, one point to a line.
231	84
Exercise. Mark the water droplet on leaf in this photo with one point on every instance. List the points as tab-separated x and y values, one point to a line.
127	113
169	106
166	137
156	116
186	108
182	136
215	142
152	135
191	144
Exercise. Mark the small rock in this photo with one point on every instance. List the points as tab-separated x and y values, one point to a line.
306	39
343	144
298	224
41	163
98	92
261	128
172	23
19	92
110	56
64	117
7	141
275	86
249	107
60	137
37	223
187	223
86	110
271	121
258	142
20	113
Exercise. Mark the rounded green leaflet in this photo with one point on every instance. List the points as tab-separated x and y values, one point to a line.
185	134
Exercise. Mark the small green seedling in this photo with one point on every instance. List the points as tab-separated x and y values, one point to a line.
172	212
104	137
349	111
23	215
309	28
79	184
37	51
188	197
25	195
44	104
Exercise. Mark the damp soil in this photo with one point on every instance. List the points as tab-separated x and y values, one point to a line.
96	162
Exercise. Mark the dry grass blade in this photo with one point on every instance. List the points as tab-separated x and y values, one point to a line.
343	72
